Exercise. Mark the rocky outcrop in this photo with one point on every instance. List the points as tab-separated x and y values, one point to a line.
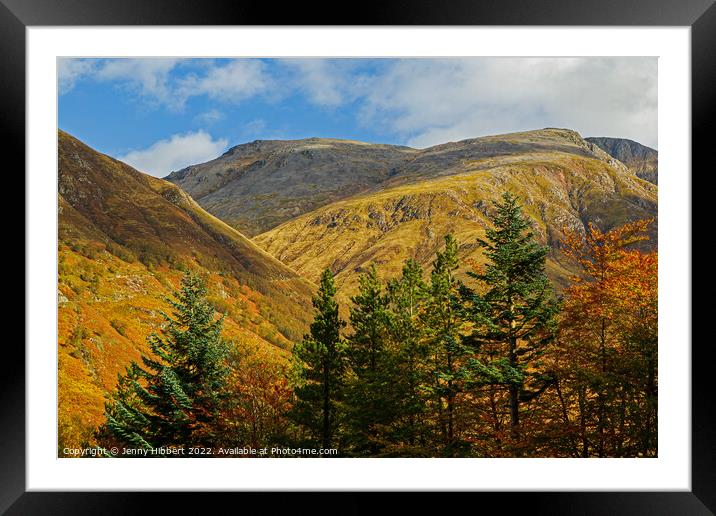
642	160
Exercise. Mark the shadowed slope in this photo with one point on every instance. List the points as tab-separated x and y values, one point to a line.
124	240
258	185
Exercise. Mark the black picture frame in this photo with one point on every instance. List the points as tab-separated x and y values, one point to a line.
17	15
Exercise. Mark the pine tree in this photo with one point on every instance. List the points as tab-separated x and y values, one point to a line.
372	399
443	321
514	319
408	295
175	398
320	360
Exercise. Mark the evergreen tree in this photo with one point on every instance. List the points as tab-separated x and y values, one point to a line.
320	359
514	318
372	401
175	398
443	320
408	295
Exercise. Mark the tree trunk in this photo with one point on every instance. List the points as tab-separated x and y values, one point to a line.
565	417
326	408
583	422
450	404
514	393
651	397
601	418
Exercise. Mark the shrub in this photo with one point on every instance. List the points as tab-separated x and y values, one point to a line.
119	326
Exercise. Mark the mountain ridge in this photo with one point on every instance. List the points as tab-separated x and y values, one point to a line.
257	186
561	179
641	159
251	184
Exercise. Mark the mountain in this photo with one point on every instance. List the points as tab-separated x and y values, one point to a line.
641	159
125	239
561	179
257	186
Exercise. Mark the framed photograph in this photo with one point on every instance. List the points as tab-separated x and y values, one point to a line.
412	251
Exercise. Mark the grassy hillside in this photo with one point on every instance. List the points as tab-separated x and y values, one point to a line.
256	186
561	179
124	241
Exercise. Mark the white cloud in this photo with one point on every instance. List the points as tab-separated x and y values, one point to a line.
154	81
433	101
70	70
234	82
325	82
175	153
420	102
148	77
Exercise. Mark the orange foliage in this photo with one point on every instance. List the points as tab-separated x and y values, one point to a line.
107	309
618	286
607	345
260	398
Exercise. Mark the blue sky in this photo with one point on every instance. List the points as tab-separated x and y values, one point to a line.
162	114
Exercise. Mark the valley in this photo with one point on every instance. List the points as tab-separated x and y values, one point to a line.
125	238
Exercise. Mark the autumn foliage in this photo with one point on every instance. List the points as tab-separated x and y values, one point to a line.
427	365
608	343
502	367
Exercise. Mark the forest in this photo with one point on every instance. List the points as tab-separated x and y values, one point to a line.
424	364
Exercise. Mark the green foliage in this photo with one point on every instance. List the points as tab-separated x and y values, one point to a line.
443	323
156	254
87	250
320	367
408	296
372	399
119	326
121	252
515	317
79	333
175	397
428	368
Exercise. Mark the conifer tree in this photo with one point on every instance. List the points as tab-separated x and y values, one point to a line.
408	295
320	359
443	320
175	397
372	401
514	319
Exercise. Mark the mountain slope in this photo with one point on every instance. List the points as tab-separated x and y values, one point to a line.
124	240
641	159
561	179
256	186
